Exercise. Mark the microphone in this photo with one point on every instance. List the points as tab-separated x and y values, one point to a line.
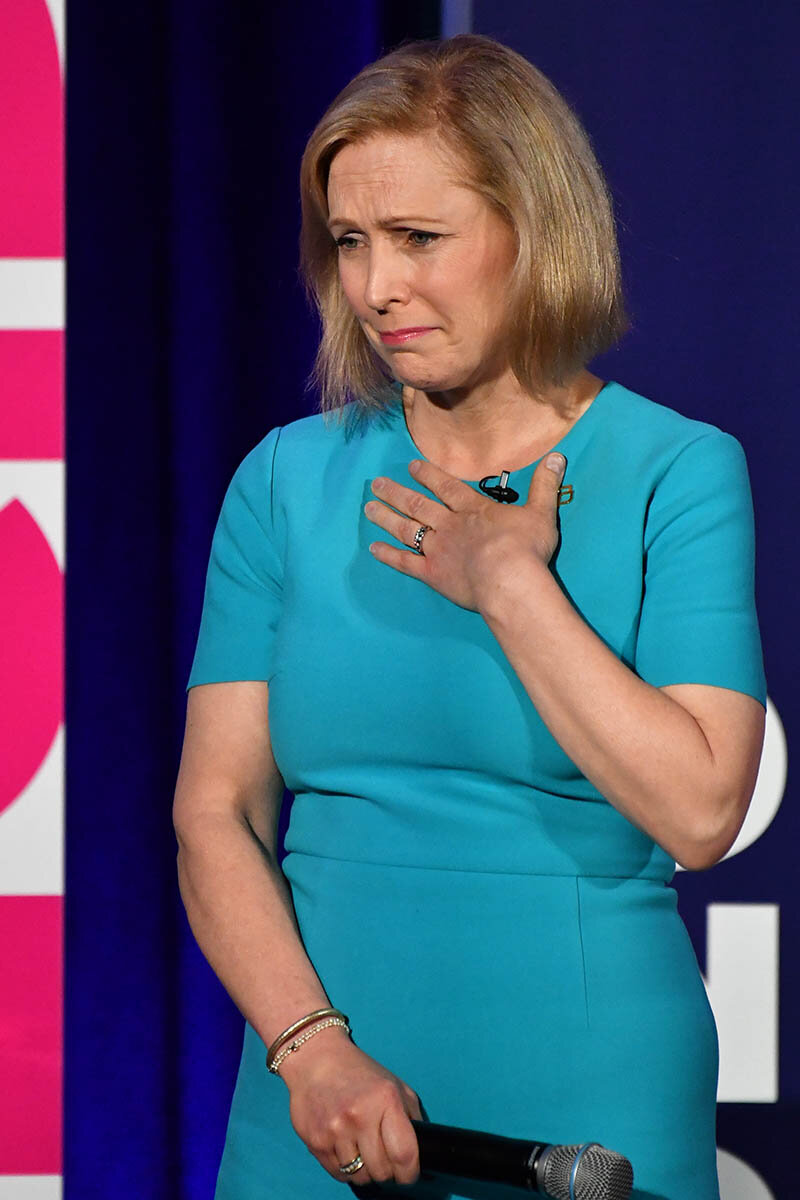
499	491
586	1172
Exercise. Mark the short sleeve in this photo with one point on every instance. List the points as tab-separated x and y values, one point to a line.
698	621
242	601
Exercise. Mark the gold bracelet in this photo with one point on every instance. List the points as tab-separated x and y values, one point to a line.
301	1024
304	1037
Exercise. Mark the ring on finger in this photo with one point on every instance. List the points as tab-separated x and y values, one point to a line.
354	1165
418	536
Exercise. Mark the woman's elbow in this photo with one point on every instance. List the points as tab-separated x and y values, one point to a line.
713	835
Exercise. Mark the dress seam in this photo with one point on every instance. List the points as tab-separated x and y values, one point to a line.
461	870
583	951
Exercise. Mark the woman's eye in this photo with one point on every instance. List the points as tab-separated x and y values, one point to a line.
417	237
429	238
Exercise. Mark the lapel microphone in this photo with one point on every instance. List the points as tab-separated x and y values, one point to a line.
499	491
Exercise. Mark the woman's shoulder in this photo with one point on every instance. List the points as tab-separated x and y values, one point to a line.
656	421
673	463
655	433
314	438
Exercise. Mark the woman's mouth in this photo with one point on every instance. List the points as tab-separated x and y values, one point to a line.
396	337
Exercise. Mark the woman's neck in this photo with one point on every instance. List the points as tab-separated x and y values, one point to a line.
499	429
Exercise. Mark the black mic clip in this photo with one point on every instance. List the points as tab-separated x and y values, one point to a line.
499	491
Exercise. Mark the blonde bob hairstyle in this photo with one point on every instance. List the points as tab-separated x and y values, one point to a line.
523	149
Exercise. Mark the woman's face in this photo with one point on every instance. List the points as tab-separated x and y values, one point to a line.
420	251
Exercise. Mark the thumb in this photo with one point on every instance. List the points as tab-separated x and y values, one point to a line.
545	482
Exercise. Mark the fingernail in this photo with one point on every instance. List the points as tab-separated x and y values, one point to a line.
556	462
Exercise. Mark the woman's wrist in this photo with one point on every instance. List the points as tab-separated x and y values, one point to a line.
291	1044
309	1057
507	580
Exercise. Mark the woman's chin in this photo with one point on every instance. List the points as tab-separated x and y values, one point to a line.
427	379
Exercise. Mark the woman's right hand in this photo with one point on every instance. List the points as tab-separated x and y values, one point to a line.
344	1103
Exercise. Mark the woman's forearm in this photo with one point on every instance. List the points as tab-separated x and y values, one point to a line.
240	909
641	749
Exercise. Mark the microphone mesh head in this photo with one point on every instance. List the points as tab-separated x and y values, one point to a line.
602	1174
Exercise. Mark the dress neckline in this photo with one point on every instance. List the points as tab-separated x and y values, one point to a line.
576	433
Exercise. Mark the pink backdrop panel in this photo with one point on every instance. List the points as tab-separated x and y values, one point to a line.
31	649
31	135
31	997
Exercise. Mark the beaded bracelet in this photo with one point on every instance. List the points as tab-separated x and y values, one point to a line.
295	1045
310	1019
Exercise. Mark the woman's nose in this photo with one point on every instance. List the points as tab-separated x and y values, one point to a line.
385	278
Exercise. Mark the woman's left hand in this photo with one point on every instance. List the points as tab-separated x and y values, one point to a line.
471	538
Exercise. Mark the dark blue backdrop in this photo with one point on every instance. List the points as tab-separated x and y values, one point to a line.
189	339
692	108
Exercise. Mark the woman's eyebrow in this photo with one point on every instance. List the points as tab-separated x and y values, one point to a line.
387	222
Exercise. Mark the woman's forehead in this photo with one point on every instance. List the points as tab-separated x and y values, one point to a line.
390	166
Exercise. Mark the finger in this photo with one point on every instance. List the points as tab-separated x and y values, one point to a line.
413	1107
373	1152
406	561
545	482
403	528
414	504
401	1145
448	488
345	1152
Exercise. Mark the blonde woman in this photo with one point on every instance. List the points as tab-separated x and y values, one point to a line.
491	619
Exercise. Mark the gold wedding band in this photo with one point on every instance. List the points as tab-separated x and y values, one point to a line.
351	1167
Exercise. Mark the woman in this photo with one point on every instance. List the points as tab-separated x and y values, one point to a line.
502	614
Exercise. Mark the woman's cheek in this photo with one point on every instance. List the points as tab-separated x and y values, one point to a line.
349	280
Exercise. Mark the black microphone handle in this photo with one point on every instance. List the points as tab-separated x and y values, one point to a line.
558	1172
473	1155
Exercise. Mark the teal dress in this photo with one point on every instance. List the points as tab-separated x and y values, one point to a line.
500	936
